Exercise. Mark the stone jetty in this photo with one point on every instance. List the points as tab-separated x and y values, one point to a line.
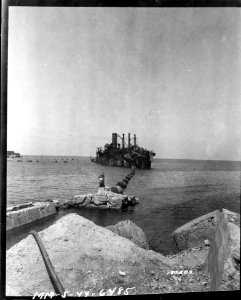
104	198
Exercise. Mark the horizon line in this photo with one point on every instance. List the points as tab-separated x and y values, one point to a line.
202	159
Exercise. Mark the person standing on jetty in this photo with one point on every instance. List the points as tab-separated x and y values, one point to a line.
102	180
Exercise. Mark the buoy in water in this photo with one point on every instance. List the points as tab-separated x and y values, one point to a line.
116	189
122	184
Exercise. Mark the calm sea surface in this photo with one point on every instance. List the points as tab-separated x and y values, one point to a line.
172	193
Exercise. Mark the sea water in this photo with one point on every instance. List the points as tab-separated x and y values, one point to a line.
172	193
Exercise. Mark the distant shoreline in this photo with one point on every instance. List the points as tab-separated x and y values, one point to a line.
156	158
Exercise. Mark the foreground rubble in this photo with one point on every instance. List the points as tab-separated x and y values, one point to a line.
86	257
93	260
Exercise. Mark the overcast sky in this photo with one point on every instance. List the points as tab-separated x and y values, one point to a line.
172	76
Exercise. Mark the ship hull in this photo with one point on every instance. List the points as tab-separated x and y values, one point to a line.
113	162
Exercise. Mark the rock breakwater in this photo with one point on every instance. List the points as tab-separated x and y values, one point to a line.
104	198
30	212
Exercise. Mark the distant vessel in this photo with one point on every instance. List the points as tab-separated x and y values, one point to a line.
12	154
127	155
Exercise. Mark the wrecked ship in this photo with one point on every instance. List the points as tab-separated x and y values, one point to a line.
124	154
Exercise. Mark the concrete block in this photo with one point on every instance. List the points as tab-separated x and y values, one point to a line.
224	254
30	214
193	233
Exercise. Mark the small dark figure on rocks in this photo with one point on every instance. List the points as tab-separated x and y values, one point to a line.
125	203
102	180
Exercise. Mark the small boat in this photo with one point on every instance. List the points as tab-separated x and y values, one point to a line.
29	161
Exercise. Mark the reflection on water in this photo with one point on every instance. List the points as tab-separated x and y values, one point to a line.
172	193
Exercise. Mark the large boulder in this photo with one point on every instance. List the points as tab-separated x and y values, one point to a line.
224	254
86	257
131	231
193	233
24	214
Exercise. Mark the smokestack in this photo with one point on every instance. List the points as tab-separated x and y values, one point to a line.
123	141
129	140
114	140
134	140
